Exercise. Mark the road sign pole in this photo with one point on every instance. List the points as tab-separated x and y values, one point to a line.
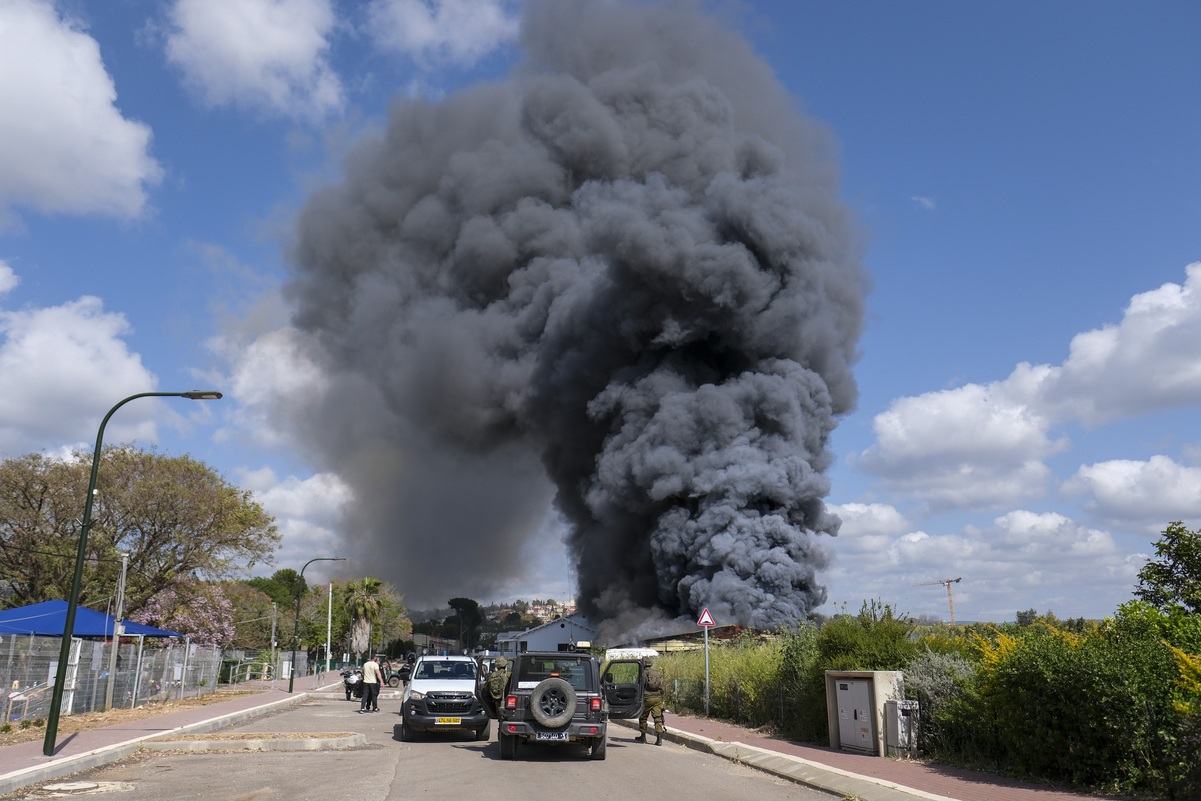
706	622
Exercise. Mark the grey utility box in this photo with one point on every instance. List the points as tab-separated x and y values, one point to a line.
901	721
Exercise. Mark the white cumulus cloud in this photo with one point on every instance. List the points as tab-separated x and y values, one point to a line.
1147	493
306	511
431	32
971	446
67	147
56	362
1146	363
985	444
1022	560
8	278
268	371
270	56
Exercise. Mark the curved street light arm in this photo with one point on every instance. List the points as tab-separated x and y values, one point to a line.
64	654
296	620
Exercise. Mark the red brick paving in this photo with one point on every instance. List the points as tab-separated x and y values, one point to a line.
963	785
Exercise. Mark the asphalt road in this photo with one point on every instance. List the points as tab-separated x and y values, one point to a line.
434	768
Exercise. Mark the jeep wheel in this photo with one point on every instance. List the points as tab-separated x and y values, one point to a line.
348	695
394	681
407	735
483	732
598	747
508	746
553	703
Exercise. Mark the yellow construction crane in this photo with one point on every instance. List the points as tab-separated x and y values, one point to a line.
950	598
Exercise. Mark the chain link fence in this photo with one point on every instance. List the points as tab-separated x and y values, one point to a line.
144	674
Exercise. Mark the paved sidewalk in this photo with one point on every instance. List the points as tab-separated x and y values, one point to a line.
843	773
24	764
870	778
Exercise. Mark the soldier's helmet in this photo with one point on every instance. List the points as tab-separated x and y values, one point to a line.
501	663
648	661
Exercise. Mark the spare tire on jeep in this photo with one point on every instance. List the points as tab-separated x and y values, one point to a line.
553	703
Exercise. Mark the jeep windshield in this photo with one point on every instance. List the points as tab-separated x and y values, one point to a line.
572	669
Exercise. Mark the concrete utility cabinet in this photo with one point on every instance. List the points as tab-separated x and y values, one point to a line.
855	702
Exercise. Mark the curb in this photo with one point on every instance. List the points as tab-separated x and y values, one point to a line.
267	742
11	782
796	769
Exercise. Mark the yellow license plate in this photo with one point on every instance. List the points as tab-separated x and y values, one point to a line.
448	722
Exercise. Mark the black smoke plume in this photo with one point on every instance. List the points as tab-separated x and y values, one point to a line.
626	269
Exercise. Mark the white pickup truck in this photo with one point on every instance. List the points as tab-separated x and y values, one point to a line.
441	696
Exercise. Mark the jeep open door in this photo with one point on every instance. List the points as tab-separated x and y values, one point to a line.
622	684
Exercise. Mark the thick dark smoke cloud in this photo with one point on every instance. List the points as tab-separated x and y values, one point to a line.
625	269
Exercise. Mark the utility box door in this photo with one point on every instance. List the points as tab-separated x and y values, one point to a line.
853	697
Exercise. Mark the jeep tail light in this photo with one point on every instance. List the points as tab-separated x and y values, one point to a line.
594	704
510	702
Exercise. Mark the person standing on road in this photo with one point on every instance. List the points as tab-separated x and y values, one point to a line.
371	683
652	701
494	685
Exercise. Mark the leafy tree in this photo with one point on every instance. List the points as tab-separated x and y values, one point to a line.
252	615
178	520
284	586
1027	618
469	621
395	628
197	609
1173	577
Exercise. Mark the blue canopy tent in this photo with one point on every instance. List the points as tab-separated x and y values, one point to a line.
50	617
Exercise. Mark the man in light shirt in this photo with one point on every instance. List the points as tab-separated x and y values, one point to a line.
371	682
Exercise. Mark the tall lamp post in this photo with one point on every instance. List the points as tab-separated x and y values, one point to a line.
296	621
64	654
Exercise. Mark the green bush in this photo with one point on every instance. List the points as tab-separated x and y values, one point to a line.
945	685
1111	707
875	639
1094	710
803	687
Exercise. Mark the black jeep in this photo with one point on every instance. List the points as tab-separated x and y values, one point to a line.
561	697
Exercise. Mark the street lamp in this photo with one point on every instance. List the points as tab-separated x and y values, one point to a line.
296	621
60	676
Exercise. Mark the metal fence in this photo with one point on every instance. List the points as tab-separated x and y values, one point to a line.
788	708
173	669
242	665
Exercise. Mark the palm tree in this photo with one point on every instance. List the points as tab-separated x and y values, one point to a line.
364	603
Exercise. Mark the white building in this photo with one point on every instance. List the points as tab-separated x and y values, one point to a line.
560	634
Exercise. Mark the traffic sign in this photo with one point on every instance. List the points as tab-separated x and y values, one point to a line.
706	619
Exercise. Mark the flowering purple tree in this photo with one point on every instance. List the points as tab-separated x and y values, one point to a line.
201	611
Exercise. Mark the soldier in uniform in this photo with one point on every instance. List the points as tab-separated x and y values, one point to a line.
494	685
652	701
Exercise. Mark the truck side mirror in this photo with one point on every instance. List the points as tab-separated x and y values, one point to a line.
609	678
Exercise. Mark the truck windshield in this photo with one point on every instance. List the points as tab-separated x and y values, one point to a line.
433	669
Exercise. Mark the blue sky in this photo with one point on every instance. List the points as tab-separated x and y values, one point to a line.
1024	177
